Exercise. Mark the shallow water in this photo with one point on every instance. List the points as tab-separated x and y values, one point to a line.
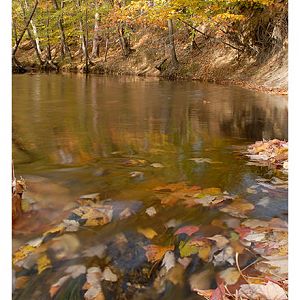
75	135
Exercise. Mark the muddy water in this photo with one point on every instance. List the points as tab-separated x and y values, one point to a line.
75	135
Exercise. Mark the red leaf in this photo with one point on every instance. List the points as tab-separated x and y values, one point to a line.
189	230
218	293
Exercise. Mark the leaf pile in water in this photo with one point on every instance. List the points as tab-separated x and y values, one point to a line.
274	152
241	258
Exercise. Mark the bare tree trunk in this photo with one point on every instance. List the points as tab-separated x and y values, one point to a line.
35	33
65	51
106	47
123	40
95	50
24	7
171	45
14	31
16	46
83	37
49	56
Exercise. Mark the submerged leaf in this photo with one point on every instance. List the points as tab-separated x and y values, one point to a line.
189	230
149	233
155	252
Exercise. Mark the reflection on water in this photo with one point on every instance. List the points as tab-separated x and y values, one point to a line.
61	121
75	135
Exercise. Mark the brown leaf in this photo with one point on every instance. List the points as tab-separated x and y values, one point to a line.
155	252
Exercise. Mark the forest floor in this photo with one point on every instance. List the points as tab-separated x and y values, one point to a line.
208	61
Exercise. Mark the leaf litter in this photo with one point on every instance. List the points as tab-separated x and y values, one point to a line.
265	242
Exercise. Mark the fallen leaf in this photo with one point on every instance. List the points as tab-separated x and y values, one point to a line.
230	276
56	286
187	249
75	270
157	165
108	275
151	211
43	263
270	291
169	260
189	230
254	223
149	233
226	255
71	225
238	208
220	240
21	282
201	280
155	252
22	253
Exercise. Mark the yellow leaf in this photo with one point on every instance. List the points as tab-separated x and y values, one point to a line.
211	191
149	233
22	253
43	263
204	252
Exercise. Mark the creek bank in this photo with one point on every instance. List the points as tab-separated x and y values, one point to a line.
212	62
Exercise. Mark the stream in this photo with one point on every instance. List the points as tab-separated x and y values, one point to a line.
119	141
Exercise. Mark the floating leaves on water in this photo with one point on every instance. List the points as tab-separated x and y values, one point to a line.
230	276
270	291
254	223
189	230
255	237
108	275
238	208
157	165
43	263
149	233
93	279
172	223
151	211
200	160
94	215
155	252
136	174
275	152
135	162
55	230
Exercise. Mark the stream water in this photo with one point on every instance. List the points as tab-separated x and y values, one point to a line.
75	135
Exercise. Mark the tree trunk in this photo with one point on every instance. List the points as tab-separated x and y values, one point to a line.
65	51
95	50
24	8
16	46
35	33
123	40
49	56
106	48
171	45
83	37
